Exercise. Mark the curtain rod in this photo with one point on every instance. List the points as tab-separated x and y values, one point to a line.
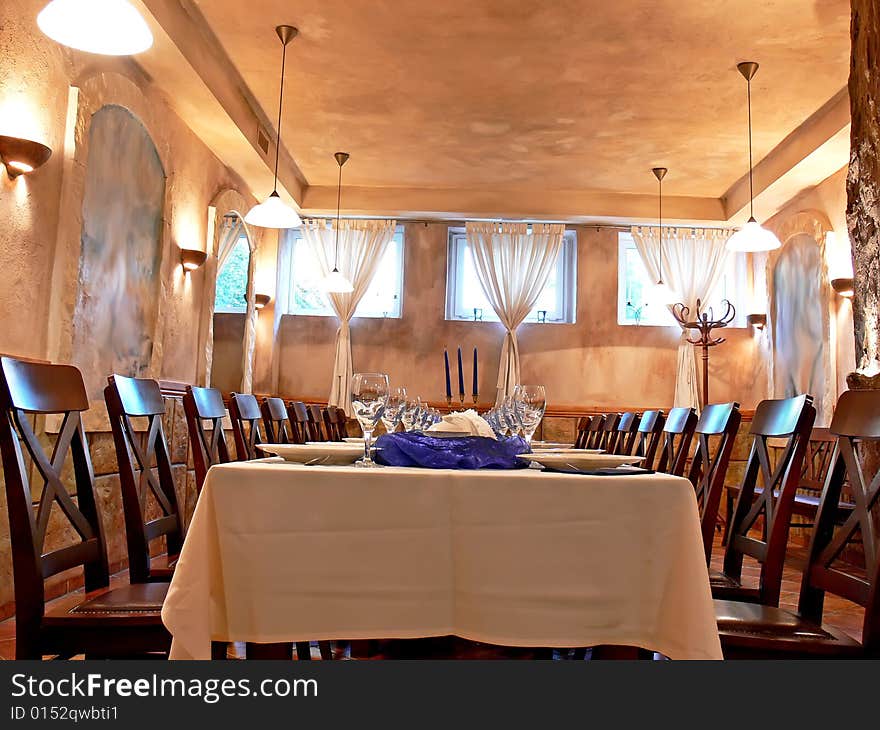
461	221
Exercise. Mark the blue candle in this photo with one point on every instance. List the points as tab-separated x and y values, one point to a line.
476	390
460	375
448	383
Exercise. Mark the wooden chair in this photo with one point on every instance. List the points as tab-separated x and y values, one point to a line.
145	475
201	405
627	429
677	434
595	432
760	631
608	437
105	622
276	421
648	434
768	493
334	420
298	415
716	433
246	417
582	430
317	430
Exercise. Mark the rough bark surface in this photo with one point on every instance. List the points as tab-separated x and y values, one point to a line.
863	181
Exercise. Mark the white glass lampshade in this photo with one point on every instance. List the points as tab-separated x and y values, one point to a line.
664	293
109	27
336	283
753	237
274	213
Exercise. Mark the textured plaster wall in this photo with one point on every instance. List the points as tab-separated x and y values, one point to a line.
594	362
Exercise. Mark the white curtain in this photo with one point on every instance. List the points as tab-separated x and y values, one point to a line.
249	345
362	244
512	265
693	263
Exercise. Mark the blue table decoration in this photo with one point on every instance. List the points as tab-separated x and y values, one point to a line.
468	452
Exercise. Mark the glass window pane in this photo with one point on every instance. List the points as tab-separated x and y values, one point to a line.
232	280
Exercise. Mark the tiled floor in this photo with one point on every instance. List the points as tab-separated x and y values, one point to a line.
838	613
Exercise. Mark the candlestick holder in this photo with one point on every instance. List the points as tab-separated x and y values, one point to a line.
449	402
476	395
461	398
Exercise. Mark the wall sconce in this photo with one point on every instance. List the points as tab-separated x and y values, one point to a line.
844	287
192	258
261	300
21	156
758	321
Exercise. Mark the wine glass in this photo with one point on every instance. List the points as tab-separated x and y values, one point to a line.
510	415
369	396
531	402
409	413
394	409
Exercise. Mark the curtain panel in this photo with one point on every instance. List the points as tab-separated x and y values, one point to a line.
513	264
693	264
362	244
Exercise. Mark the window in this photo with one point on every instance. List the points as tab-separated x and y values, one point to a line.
465	299
232	279
637	303
382	299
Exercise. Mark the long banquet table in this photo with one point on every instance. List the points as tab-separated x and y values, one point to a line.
282	552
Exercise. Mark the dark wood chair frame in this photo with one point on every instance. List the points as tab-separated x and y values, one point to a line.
595	432
334	423
298	415
678	432
715	433
762	632
627	430
120	622
276	421
247	419
791	419
608	438
144	470
648	434
317	431
201	405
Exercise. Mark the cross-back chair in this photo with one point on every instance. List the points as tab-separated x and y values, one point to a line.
594	432
246	418
715	432
298	415
625	437
583	426
678	431
334	423
276	421
608	437
106	622
752	631
201	405
317	430
145	475
648	434
766	496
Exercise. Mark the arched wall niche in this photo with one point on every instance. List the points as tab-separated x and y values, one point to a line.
800	313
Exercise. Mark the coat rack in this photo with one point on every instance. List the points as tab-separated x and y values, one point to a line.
704	322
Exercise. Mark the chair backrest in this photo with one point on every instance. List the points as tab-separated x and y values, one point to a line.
246	417
817	461
144	470
29	389
648	434
583	426
201	405
676	440
317	430
627	428
298	415
768	491
334	423
608	438
856	424
276	421
595	432
716	433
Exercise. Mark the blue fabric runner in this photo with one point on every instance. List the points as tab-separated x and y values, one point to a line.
468	452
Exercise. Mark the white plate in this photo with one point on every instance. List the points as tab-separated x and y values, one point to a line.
549	450
326	454
550	445
581	461
447	434
354	440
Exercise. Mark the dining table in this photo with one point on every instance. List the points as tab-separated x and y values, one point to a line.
285	552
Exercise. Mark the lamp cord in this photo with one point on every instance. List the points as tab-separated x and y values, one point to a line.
278	127
338	204
660	182
751	185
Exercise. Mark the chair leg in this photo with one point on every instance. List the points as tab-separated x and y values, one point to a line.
326	650
283	650
303	651
728	518
608	651
218	650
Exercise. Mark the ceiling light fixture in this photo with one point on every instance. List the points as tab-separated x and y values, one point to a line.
274	212
336	282
108	27
752	236
21	156
661	290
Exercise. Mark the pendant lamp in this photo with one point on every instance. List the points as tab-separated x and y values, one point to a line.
336	282
108	27
661	290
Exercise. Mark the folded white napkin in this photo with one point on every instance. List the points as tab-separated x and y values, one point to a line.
469	422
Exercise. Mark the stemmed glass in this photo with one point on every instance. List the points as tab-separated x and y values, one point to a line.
410	413
369	396
394	409
530	402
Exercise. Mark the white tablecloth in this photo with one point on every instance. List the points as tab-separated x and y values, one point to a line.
282	552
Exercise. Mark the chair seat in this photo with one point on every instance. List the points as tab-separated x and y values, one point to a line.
135	604
804	504
752	630
726	588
